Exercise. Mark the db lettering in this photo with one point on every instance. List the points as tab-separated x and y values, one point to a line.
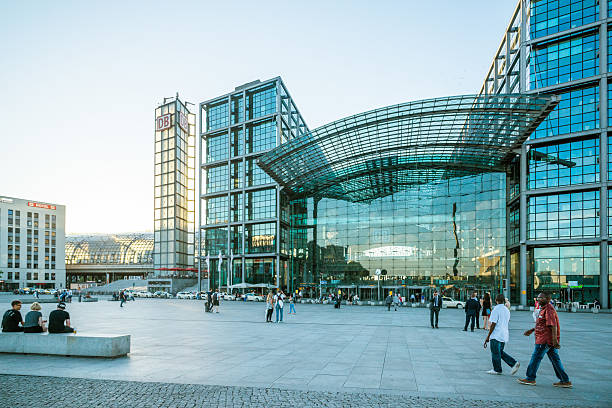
163	122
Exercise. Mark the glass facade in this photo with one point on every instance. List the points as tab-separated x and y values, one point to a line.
240	203
449	234
489	207
563	204
174	233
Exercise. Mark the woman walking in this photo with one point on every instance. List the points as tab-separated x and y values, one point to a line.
486	310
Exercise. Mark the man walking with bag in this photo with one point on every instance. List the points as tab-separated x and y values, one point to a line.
547	337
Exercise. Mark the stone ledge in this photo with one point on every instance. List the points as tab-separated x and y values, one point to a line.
65	344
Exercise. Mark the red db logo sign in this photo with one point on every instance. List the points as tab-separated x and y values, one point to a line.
163	122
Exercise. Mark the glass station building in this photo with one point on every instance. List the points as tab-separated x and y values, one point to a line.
506	190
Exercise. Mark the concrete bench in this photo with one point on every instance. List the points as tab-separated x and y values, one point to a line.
81	345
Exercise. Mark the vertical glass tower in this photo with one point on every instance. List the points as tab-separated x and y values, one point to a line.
559	216
174	189
243	212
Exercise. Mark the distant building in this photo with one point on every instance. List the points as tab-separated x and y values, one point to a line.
32	235
93	260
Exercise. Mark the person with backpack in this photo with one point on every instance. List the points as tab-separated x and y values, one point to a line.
278	300
215	301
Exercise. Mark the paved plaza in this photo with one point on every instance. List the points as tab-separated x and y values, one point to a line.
234	357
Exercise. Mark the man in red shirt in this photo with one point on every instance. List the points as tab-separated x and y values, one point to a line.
547	337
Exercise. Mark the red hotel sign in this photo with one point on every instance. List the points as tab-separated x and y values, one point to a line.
163	122
39	205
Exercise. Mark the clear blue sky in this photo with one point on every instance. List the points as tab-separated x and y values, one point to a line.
80	79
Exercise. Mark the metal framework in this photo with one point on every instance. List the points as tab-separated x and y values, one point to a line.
377	153
110	249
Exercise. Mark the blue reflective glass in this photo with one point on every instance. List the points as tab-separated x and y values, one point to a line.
552	63
563	164
553	16
217	116
562	216
576	112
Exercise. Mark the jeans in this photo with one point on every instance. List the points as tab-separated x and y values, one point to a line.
553	356
279	312
291	308
469	317
122	302
498	354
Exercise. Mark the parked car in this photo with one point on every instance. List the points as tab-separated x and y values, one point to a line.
185	295
450	302
162	294
253	297
226	296
143	294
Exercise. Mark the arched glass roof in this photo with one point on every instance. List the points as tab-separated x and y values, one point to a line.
110	249
377	153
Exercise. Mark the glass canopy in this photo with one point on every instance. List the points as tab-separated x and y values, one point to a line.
110	249
380	152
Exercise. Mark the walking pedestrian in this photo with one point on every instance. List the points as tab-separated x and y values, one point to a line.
412	299
547	338
396	301
499	336
388	301
471	311
122	298
435	305
486	310
291	305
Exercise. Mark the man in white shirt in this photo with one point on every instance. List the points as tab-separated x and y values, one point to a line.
499	336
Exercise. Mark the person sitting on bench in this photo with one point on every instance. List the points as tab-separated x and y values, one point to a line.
12	318
57	318
34	322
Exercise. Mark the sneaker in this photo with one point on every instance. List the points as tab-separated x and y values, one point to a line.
515	368
562	384
526	381
493	372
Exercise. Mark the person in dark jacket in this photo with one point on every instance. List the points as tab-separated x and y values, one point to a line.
389	301
12	319
435	304
472	307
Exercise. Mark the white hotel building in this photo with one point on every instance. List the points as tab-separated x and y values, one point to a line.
32	240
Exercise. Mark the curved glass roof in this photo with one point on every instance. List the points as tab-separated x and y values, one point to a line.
377	153
110	249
